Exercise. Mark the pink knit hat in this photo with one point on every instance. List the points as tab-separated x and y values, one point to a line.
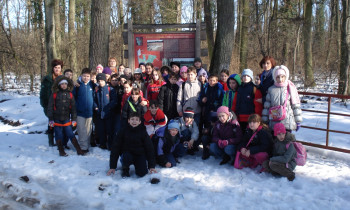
183	69
223	109
279	128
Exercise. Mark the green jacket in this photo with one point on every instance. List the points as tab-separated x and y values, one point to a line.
282	154
45	91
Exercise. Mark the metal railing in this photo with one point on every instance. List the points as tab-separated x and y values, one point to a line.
329	113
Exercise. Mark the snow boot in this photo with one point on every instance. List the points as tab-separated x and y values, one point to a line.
50	133
60	148
206	153
226	158
125	172
77	147
281	169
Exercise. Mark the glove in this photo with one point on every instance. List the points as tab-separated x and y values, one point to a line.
74	123
222	143
51	123
298	126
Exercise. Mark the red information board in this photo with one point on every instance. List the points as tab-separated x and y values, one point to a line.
159	48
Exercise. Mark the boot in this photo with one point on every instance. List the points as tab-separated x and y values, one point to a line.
61	149
226	158
50	136
281	169
206	153
77	147
125	172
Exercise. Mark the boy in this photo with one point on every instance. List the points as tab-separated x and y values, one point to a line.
105	101
135	147
230	97
68	73
133	104
189	131
175	67
84	96
154	118
211	98
189	93
61	110
167	97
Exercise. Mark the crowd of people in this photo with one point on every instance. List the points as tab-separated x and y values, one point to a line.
150	115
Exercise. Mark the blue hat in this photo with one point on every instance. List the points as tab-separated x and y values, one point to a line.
248	72
173	125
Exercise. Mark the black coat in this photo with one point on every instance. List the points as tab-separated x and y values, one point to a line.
135	141
167	98
127	109
262	141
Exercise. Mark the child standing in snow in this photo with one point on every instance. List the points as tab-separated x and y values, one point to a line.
282	161
135	147
230	96
168	95
62	113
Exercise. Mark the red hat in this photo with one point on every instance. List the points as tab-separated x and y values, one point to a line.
279	128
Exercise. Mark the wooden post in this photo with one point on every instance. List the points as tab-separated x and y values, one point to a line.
131	58
197	42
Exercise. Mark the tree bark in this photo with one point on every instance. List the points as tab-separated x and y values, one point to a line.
209	27
51	50
224	38
121	26
58	30
243	52
72	37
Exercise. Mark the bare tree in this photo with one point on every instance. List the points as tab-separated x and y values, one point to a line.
243	50
209	27
72	36
51	50
307	34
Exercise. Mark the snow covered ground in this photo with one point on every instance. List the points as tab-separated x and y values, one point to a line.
80	182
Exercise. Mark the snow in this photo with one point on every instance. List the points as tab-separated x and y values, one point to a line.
80	182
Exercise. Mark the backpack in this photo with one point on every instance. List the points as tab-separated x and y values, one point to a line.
301	153
54	100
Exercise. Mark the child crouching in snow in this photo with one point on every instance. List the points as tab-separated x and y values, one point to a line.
282	161
135	147
61	110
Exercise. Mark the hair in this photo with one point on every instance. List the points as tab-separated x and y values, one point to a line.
134	114
226	71
93	72
213	76
149	64
257	118
165	68
135	91
268	58
159	75
68	70
87	71
154	103
56	62
172	74
129	82
115	76
192	69
112	58
121	65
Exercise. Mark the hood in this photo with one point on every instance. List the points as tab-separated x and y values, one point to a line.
55	88
235	77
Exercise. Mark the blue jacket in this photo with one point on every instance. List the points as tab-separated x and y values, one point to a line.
105	100
84	99
267	81
214	97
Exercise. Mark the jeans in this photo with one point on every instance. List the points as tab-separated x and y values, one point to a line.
62	131
219	152
178	152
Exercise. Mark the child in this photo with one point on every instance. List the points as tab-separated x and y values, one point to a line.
119	91
154	118
183	76
155	85
142	66
105	101
84	96
135	147
121	69
223	78
62	113
167	97
148	74
99	69
189	131
169	146
93	76
68	73
282	161
227	135
283	93
249	99
175	67
198	65
128	73
202	77
165	70
230	97
133	103
127	92
107	71
138	80
257	143
189	94
211	98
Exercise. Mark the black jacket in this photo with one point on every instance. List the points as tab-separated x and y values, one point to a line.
167	100
127	108
135	141
262	141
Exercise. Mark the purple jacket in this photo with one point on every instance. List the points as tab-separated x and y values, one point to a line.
230	131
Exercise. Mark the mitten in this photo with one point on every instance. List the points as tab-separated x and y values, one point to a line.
298	126
51	123
74	123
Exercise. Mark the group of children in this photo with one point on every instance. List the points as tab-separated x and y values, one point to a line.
156	116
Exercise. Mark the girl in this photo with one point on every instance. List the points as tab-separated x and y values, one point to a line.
265	79
183	76
155	85
133	104
128	73
202	77
283	93
138	80
127	92
230	97
223	78
121	69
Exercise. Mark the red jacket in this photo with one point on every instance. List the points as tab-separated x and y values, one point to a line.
153	89
155	122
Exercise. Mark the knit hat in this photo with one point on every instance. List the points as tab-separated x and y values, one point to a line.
235	77
107	70
223	109
279	128
248	72
63	81
99	66
197	59
183	69
174	124
202	72
278	70
138	71
176	64
142	64
101	76
189	112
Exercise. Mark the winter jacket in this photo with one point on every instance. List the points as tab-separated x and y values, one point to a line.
153	123
84	99
193	128
45	92
230	131
63	107
166	144
224	85
266	81
127	95
249	101
167	100
105	100
281	154
153	89
277	96
230	96
180	81
132	106
135	141
188	96
141	85
119	91
262	141
214	97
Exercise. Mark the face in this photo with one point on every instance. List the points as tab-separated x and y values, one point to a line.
254	125
127	88
213	81
175	69
122	80
135	97
197	64
121	69
153	109
137	76
173	131
85	78
99	70
183	74
281	136
280	78
223	117
93	78
165	72
223	77
192	76
127	72
101	83
134	121
201	79
114	82
69	75
155	76
64	86
233	84
112	63
143	68
108	76
57	70
173	80
246	79
148	70
267	65
188	120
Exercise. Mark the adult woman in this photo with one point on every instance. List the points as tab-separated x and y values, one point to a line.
265	80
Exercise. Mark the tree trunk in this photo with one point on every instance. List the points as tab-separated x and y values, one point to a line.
307	34
51	50
243	52
121	26
224	37
72	37
58	30
209	27
319	41
99	34
239	27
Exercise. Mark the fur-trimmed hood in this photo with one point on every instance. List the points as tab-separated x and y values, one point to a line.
55	87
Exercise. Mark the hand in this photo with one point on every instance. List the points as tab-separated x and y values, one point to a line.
247	153
168	165
190	144
204	100
51	123
223	143
110	171
243	151
143	103
76	84
298	126
74	123
152	170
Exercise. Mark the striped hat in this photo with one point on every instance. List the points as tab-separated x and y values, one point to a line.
189	112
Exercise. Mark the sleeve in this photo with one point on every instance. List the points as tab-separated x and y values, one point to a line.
149	128
73	110
233	108
225	99
95	100
161	97
125	110
267	105
288	155
216	134
221	96
265	143
202	94
258	102
149	94
114	99
50	108
195	131
116	150
149	152
179	99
